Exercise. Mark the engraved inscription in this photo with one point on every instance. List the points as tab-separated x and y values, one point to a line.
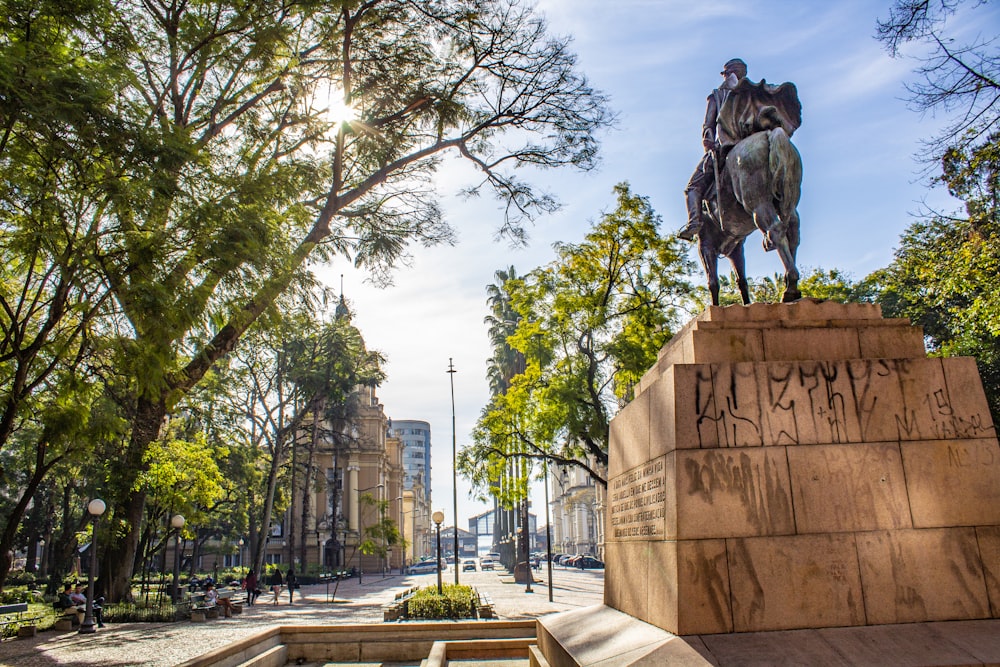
818	402
638	502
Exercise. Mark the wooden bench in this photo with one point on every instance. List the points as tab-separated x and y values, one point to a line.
27	625
484	609
398	608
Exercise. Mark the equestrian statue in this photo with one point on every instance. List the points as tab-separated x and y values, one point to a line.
749	178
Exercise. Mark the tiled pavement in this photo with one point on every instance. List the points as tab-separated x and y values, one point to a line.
166	644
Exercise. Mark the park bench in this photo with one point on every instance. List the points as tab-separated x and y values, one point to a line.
17	615
201	609
484	608
397	609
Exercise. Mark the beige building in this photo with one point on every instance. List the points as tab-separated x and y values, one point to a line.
577	511
356	470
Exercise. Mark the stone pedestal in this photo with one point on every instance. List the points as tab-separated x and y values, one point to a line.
803	466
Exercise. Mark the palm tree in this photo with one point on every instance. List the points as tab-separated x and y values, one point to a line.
502	321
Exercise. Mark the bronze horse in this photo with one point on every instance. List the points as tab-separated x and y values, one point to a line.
760	187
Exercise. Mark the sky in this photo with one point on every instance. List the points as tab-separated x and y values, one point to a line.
658	60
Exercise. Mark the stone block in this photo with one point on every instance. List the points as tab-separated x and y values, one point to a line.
953	482
988	538
782	344
733	493
198	616
627	565
629	436
727	345
912	644
928	411
604	637
27	631
973	418
637	501
823	402
689	587
737	415
843	488
911	576
891	342
64	625
802	581
788	647
678	350
676	401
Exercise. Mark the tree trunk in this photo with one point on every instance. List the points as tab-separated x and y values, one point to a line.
9	533
119	556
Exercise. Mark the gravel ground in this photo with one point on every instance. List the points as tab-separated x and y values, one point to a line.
167	644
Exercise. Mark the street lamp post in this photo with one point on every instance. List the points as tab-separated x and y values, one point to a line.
176	522
361	524
548	529
96	508
454	463
438	517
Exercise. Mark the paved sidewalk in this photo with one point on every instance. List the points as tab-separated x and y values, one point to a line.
167	644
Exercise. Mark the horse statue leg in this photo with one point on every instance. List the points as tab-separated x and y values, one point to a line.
708	250
787	245
738	259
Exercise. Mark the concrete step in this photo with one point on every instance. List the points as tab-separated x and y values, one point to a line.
276	656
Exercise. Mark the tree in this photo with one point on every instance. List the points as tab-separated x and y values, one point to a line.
590	324
222	172
961	79
818	283
943	275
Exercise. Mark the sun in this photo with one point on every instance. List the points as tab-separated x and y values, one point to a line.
337	109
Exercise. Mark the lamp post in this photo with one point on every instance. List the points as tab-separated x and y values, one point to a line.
361	524
454	463
548	528
176	522
438	517
96	508
240	551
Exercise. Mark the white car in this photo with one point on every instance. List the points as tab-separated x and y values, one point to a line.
486	564
424	567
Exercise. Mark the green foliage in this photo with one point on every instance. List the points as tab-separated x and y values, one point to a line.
944	273
168	171
587	326
457	601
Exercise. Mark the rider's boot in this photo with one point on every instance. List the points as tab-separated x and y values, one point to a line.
694	216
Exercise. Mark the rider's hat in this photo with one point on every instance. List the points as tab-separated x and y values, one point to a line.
735	62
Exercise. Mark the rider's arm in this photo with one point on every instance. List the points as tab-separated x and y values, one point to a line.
711	120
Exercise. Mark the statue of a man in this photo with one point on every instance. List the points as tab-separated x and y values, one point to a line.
701	180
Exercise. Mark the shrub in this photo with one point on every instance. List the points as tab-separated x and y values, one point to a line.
15	595
456	602
140	612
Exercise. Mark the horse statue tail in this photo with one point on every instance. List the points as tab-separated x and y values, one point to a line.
786	172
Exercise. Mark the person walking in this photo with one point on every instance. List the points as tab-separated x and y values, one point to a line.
292	583
275	583
250	583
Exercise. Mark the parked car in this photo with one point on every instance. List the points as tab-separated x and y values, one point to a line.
486	564
423	567
588	562
563	559
468	565
493	556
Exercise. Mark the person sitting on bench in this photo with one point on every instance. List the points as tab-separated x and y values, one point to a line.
80	600
212	598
